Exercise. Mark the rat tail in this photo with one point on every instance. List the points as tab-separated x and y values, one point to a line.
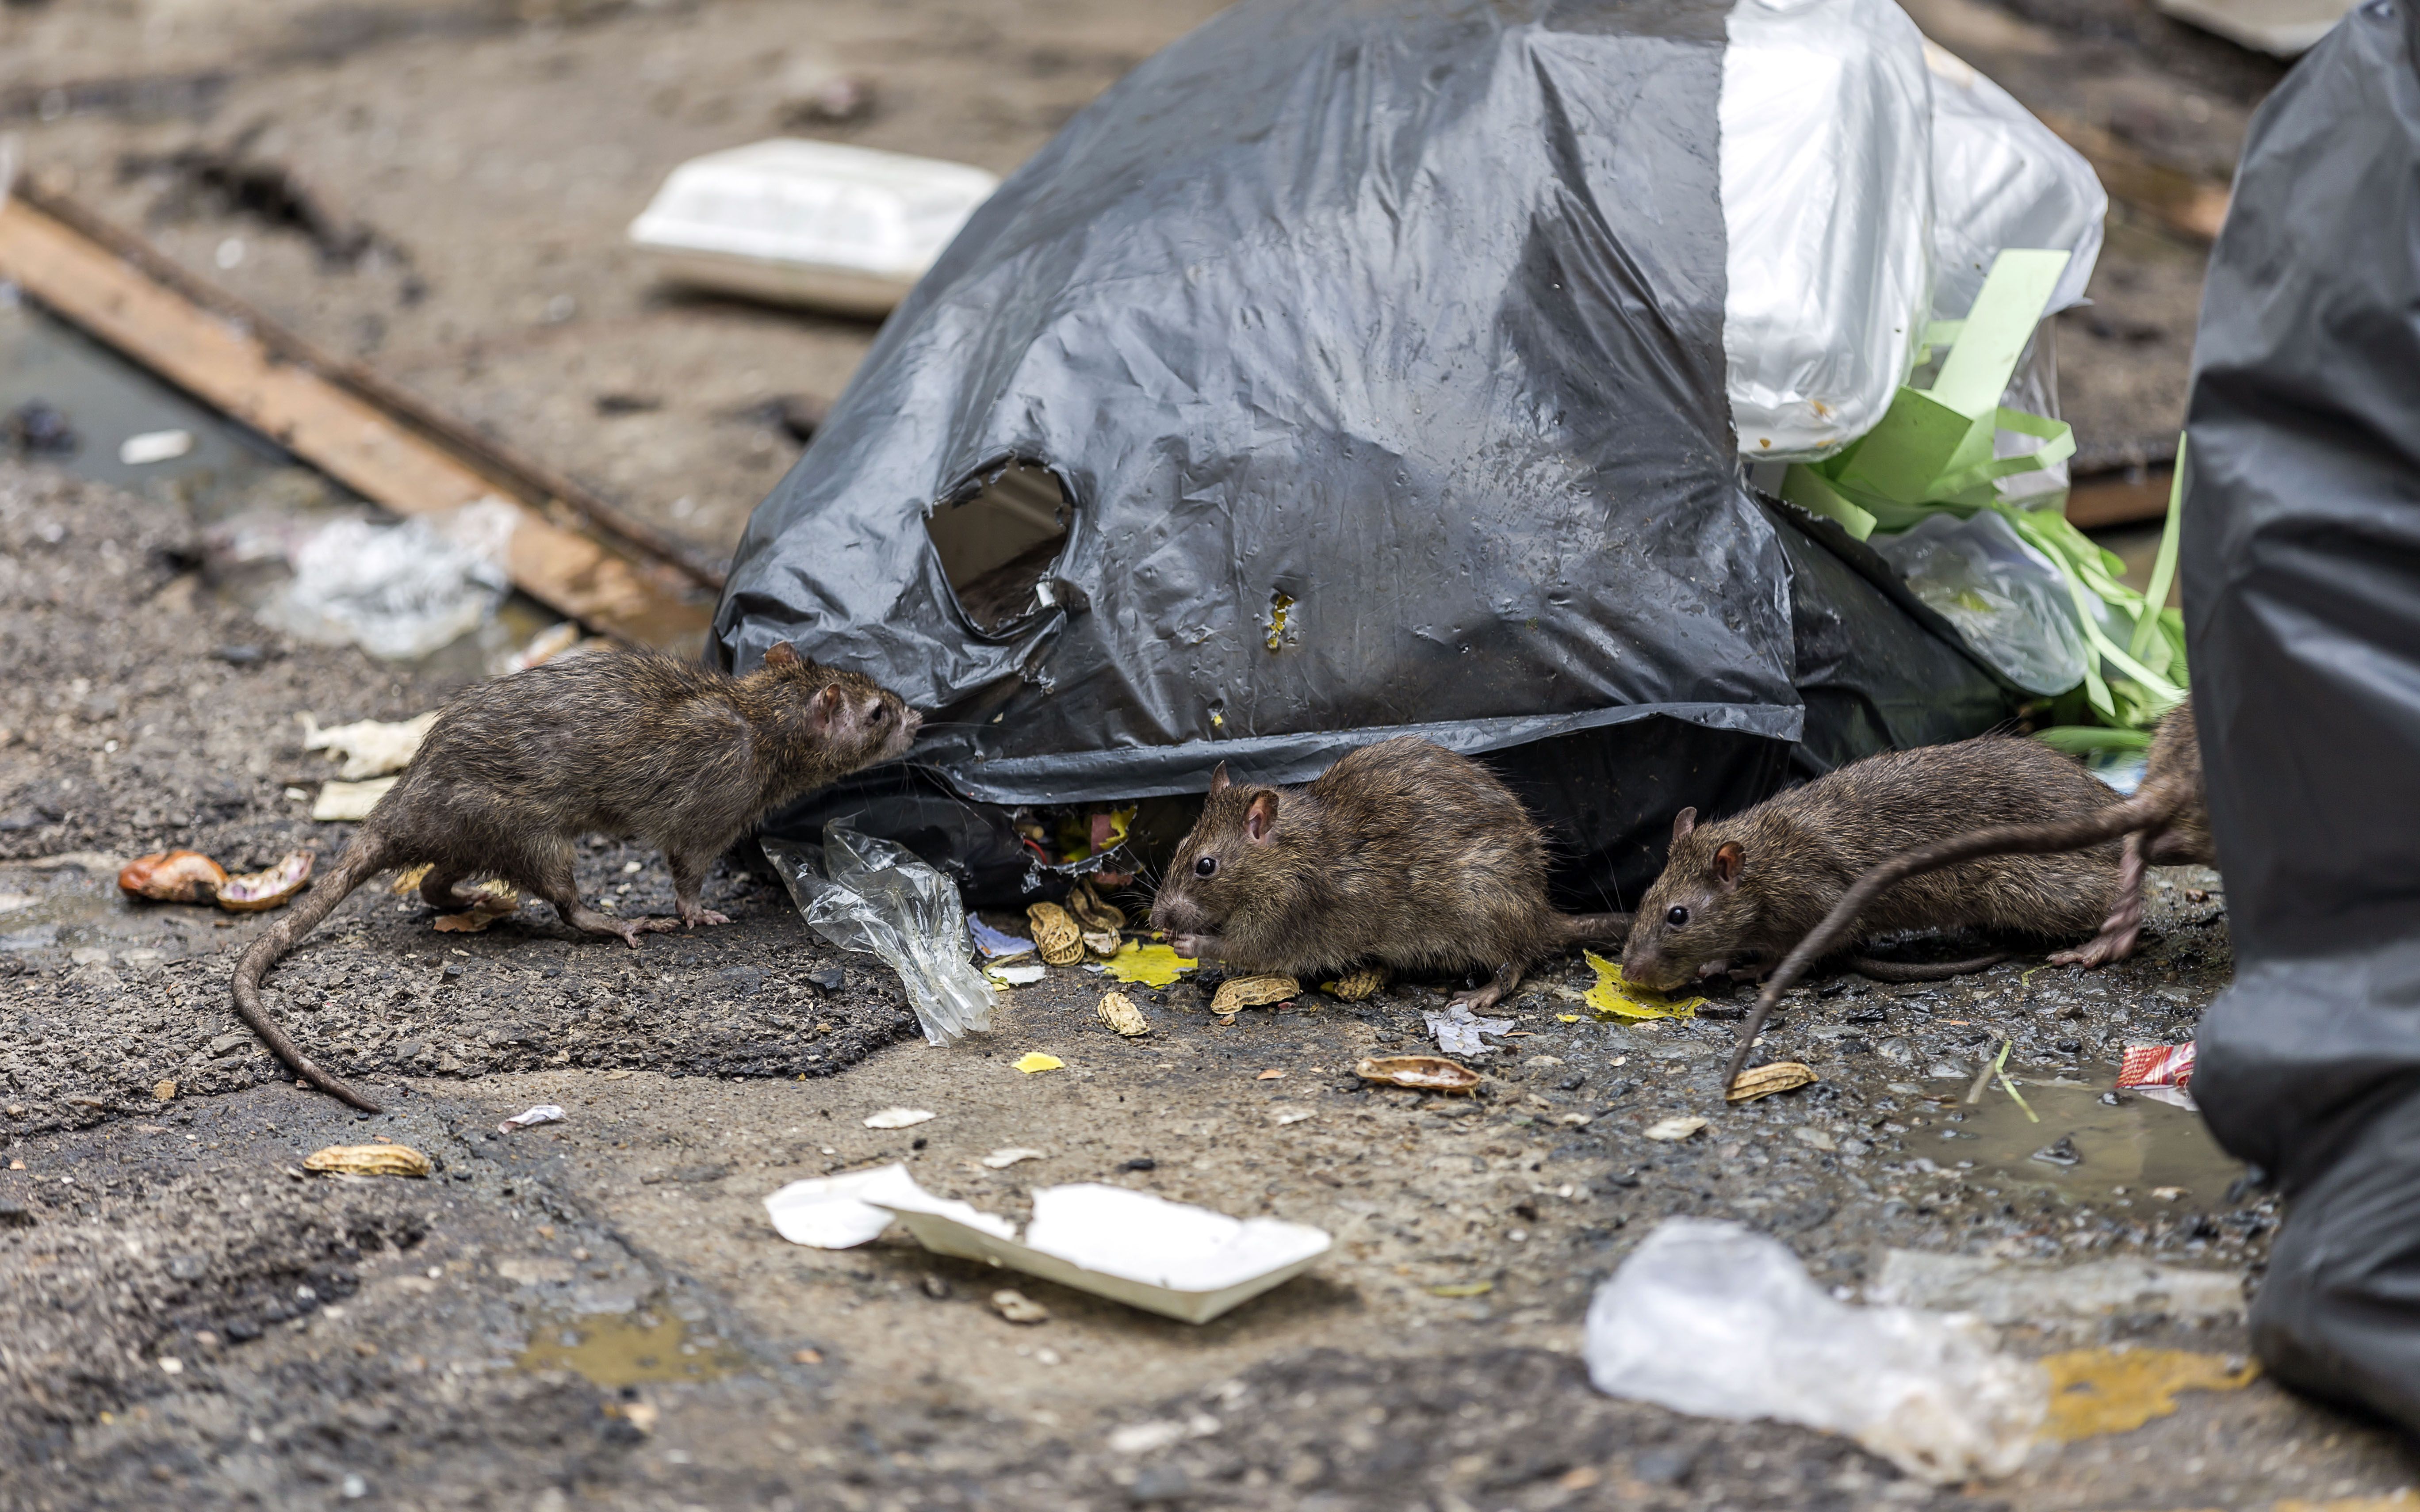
2145	807
1610	930
1866	965
368	854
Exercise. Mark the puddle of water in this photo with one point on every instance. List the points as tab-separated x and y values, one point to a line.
2094	1392
628	1350
2140	1145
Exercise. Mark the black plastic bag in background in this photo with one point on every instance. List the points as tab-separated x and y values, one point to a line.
1372	358
2301	580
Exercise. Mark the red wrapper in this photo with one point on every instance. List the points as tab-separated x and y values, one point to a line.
2157	1065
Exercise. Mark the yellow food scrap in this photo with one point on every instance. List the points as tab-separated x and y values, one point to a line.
1280	605
2094	1392
1612	998
1152	965
1033	1060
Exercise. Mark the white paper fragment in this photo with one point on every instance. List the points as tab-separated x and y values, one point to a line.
1025	976
1458	1030
370	748
543	1113
154	446
898	1117
1679	1126
349	800
1001	1159
826	1213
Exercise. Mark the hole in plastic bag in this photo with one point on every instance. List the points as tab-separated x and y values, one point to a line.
998	544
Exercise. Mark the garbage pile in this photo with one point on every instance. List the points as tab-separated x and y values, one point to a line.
1231	429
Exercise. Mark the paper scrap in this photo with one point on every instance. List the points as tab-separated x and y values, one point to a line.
1022	976
1678	1127
826	1213
998	945
349	800
1458	1030
1001	1159
370	748
543	1113
898	1117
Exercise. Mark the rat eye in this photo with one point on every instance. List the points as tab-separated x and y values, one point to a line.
1206	866
1678	917
880	714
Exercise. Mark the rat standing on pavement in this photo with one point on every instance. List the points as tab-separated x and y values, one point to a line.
619	743
2165	823
1738	893
1402	855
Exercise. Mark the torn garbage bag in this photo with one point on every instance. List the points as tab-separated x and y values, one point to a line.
2301	587
866	894
1348	371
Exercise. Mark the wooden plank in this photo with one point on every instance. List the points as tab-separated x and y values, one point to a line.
2119	498
231	367
2192	207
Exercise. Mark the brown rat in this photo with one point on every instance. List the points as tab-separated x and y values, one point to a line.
1402	855
1736	894
2166	822
621	743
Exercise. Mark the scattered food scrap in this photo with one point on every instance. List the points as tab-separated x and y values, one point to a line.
1018	1308
1253	991
1034	1060
1272	1074
368	1160
1055	935
1119	1012
1425	1074
2116	1391
253	892
172	876
494	898
1680	1126
154	446
1355	986
1763	1081
1017	975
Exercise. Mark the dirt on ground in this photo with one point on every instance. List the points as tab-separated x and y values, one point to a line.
597	1312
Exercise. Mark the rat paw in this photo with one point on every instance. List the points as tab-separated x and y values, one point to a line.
694	916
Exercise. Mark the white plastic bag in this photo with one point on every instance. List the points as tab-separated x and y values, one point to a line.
398	592
866	894
1712	1319
1869	178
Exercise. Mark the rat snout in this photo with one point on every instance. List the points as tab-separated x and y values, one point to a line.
913	723
1175	913
1643	965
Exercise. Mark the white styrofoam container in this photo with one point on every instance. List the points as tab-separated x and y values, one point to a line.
809	222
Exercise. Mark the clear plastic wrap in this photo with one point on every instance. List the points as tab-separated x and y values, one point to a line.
866	894
1712	1319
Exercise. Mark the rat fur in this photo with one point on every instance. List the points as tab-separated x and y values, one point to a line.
2165	823
1402	855
616	742
1736	894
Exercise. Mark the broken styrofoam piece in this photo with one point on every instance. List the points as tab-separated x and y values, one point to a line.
1165	1257
2283	29
829	1212
1712	1319
369	748
2008	1293
819	224
154	446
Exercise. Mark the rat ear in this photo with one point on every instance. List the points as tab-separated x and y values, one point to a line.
1683	821
1219	781
1729	861
824	707
782	653
1261	816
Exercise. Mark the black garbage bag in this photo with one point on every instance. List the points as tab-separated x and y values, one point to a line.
2302	580
1346	371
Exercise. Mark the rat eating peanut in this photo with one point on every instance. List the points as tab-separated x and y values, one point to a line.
1402	854
622	743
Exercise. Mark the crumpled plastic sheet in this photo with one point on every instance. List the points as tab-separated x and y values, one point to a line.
2008	600
861	893
398	592
1712	1319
